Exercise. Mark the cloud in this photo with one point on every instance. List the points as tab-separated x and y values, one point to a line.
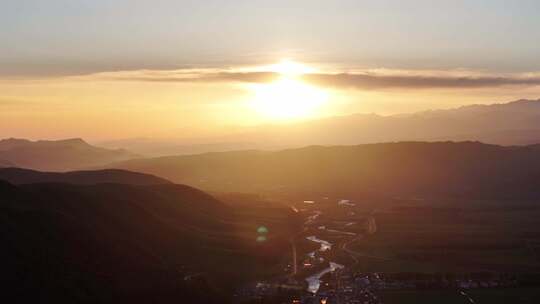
15	102
256	77
184	75
365	80
415	81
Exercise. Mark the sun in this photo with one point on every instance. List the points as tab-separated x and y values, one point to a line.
290	68
288	97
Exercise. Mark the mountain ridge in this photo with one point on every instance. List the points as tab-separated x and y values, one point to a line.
20	176
57	155
471	169
512	123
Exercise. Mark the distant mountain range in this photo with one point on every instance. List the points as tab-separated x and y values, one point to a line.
513	123
60	155
408	169
162	147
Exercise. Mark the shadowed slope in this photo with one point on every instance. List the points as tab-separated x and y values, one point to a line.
118	243
109	242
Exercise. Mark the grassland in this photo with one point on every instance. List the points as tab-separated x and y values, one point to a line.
454	236
491	296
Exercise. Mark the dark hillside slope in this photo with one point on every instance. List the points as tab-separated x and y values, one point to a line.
112	242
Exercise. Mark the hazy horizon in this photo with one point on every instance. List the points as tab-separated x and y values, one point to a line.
107	71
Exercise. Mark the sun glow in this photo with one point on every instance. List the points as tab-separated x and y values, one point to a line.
288	97
290	68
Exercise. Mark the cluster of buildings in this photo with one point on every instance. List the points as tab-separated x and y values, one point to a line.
278	291
340	287
362	288
398	281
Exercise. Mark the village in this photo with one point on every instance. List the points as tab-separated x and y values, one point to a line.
317	278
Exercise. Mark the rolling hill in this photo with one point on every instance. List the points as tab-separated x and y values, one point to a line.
468	169
60	155
26	176
6	164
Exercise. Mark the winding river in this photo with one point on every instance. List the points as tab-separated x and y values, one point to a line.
314	281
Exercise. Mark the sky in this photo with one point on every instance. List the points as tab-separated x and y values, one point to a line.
104	69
